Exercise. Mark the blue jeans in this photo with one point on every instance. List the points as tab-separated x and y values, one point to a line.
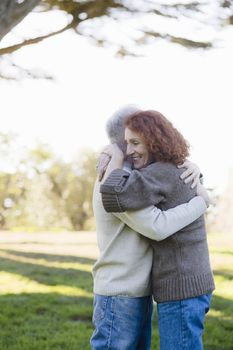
122	323
181	323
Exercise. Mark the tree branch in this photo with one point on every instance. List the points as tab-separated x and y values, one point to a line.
13	48
176	40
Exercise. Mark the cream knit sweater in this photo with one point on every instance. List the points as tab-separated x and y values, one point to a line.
125	260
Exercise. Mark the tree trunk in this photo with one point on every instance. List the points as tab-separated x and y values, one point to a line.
11	13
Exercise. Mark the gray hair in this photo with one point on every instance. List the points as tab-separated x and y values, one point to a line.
115	124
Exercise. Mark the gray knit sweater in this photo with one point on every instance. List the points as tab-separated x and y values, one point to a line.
181	266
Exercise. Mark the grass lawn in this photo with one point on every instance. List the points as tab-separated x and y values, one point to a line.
46	292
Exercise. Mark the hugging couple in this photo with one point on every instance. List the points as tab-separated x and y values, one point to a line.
149	207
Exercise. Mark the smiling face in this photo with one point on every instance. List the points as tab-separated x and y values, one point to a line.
137	149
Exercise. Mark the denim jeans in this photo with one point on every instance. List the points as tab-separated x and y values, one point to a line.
181	323
122	323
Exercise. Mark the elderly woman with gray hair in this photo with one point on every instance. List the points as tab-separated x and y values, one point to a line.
122	274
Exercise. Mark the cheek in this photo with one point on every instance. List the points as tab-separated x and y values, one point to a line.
146	155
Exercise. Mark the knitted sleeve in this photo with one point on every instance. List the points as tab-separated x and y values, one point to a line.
122	190
157	224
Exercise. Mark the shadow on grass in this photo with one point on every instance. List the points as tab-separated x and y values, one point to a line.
66	244
219	325
224	273
51	257
57	321
223	305
45	321
47	275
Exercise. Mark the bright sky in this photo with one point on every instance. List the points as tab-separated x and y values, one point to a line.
191	88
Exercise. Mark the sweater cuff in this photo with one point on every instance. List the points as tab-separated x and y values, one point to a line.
110	188
111	203
115	182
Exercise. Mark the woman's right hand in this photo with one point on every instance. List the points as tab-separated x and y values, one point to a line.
201	191
108	152
102	163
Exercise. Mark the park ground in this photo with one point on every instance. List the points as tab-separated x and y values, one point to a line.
46	291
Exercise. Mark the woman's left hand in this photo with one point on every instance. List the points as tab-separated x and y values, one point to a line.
191	174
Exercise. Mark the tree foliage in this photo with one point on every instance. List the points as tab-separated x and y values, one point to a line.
141	18
45	192
127	26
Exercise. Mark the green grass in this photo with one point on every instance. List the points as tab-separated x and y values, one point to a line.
46	292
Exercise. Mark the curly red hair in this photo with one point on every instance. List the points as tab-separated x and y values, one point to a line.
163	140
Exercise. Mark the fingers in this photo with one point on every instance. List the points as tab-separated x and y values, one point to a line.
191	175
189	178
102	163
191	168
111	149
107	150
195	182
193	178
186	173
101	173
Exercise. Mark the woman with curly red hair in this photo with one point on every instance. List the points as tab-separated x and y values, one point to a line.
163	141
182	280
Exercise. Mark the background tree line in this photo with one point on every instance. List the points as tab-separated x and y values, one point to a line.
39	190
